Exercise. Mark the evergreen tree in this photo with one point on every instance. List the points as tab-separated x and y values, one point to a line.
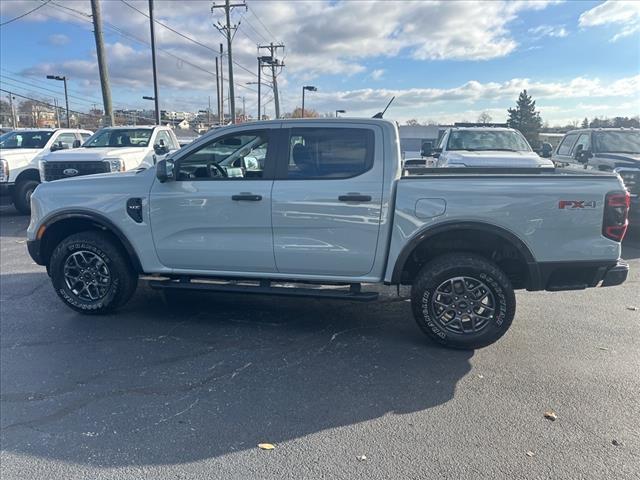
526	119
585	123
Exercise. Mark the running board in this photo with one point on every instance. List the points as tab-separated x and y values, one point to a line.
353	294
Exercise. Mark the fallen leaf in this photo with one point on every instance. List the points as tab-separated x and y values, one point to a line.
480	376
361	458
266	446
530	454
633	309
616	443
603	348
550	415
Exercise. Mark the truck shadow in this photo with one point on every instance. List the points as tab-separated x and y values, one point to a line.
205	376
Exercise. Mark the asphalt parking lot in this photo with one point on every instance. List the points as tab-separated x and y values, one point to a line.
343	391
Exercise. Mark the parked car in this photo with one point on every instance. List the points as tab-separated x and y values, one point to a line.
606	149
323	201
20	152
485	147
111	149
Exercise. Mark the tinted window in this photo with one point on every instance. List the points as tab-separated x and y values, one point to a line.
567	143
329	152
232	157
479	140
85	136
618	142
585	140
120	137
22	139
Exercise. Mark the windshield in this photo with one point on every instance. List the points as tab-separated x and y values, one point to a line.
37	139
483	140
618	142
120	137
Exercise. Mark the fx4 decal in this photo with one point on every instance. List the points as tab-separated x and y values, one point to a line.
573	204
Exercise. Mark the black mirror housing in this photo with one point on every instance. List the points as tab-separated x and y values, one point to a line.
160	149
546	150
76	143
165	171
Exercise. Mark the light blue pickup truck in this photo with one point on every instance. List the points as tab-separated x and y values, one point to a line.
323	205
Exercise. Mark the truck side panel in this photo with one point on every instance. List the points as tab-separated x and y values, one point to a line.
559	218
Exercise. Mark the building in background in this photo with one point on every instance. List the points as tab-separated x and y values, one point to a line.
412	137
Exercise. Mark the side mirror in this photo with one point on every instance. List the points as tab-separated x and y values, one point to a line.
427	149
76	143
164	171
56	146
436	152
160	149
545	150
581	155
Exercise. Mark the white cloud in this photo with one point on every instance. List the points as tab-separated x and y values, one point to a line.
58	39
377	73
557	31
625	14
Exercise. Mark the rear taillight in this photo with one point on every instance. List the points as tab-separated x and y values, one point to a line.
616	211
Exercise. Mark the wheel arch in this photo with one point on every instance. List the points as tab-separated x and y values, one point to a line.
28	174
61	225
428	243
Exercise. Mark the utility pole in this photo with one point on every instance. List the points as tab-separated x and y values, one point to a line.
275	63
221	86
102	61
218	94
55	104
228	31
153	59
13	113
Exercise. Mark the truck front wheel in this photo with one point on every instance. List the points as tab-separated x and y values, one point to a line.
22	195
90	273
462	300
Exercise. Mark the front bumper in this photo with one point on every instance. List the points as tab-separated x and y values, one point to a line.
616	275
34	251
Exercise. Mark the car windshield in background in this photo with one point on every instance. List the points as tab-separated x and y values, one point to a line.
120	137
487	140
24	139
618	142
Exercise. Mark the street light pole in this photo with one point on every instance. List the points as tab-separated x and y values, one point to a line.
311	88
153	59
66	100
66	96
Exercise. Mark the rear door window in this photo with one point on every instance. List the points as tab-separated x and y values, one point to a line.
329	153
567	144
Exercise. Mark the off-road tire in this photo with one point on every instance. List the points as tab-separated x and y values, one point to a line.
22	195
455	265
124	279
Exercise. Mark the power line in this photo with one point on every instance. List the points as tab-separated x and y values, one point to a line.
24	14
263	25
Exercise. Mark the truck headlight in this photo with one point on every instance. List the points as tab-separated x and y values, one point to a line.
115	164
4	170
41	170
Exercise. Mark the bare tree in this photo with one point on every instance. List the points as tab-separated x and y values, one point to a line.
484	117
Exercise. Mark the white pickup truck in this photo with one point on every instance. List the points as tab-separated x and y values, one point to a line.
252	208
20	152
485	147
111	149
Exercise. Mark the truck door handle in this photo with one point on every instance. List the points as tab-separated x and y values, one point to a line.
354	197
247	197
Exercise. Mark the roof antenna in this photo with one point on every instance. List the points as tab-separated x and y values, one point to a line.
381	114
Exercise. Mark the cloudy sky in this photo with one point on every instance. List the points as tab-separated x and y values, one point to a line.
444	61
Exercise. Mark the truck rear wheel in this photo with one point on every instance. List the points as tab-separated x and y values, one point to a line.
22	195
90	273
462	300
